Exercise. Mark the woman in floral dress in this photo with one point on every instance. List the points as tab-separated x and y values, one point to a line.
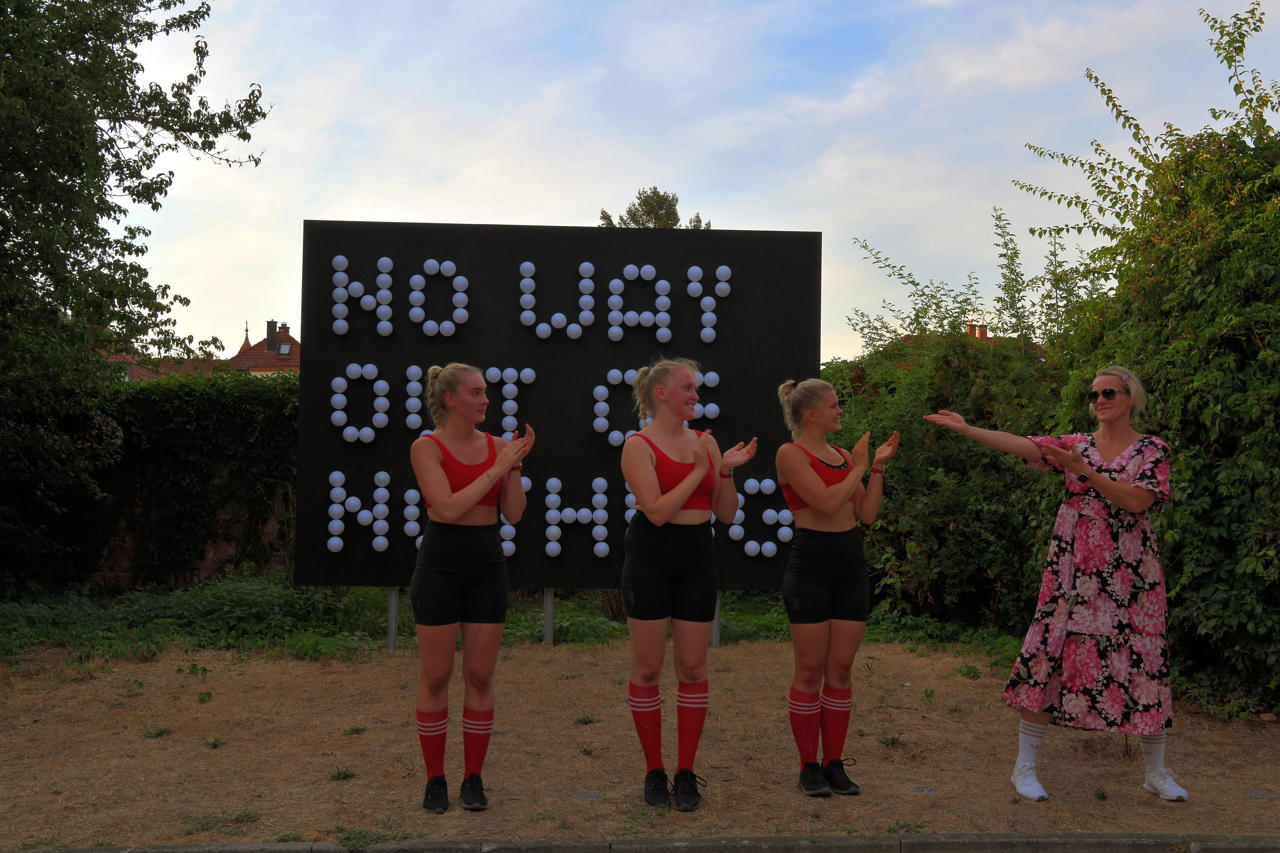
1095	656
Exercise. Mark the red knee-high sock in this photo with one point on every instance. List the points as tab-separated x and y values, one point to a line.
837	705
477	726
691	713
432	729
805	710
646	713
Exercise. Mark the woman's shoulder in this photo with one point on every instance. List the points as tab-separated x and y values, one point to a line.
1154	441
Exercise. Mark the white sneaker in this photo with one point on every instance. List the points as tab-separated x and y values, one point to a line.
1160	782
1025	782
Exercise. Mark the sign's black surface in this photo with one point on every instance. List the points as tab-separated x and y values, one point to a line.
555	317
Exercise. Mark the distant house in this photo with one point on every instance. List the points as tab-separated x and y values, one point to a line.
278	351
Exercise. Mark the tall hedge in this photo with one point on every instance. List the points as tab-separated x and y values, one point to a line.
206	475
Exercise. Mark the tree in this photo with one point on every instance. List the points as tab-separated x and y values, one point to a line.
1194	228
81	138
652	209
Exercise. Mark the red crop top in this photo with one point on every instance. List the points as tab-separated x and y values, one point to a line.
461	475
670	473
828	473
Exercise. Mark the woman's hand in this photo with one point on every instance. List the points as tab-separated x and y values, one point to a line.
515	450
1071	460
860	454
951	420
885	451
739	454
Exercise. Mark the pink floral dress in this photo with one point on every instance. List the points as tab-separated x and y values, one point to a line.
1095	656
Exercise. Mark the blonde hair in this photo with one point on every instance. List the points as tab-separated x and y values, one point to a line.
799	397
441	381
649	378
1137	394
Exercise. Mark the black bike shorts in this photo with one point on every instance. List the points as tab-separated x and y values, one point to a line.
460	575
669	572
826	577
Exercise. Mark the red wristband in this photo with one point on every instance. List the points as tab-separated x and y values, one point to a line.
877	469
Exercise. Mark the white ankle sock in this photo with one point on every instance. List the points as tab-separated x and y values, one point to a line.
1153	750
1030	736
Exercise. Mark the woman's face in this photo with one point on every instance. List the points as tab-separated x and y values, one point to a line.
1114	410
826	414
681	393
469	402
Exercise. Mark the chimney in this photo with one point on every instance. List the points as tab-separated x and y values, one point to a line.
271	336
284	329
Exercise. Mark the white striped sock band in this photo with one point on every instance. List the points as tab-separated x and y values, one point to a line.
1033	730
477	727
837	704
645	703
797	707
427	729
691	700
1154	740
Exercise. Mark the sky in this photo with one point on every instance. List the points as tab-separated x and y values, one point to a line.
900	123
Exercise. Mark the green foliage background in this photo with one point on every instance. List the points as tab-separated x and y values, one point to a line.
1185	291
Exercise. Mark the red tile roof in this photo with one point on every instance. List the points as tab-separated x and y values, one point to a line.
256	358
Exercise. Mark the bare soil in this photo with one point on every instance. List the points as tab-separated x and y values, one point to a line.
274	749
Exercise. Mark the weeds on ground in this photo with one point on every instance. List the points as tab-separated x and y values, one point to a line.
341	774
225	822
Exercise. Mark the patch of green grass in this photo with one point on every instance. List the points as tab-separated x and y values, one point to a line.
314	645
969	671
156	732
587	751
585	719
355	730
357	838
284	838
570	676
891	740
341	774
195	669
954	710
746	616
41	843
215	742
905	826
227	823
104	843
204	697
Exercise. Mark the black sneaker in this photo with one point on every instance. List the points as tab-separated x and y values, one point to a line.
836	777
472	794
436	799
657	792
684	791
813	782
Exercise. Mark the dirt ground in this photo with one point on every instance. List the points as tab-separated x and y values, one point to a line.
211	747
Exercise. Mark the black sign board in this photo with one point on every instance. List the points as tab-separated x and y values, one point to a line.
556	318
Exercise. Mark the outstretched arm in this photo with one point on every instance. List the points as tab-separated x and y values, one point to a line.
1004	441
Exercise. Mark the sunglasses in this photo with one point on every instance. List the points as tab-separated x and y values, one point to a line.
1105	393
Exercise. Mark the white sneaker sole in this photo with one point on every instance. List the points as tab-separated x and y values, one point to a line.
1174	798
